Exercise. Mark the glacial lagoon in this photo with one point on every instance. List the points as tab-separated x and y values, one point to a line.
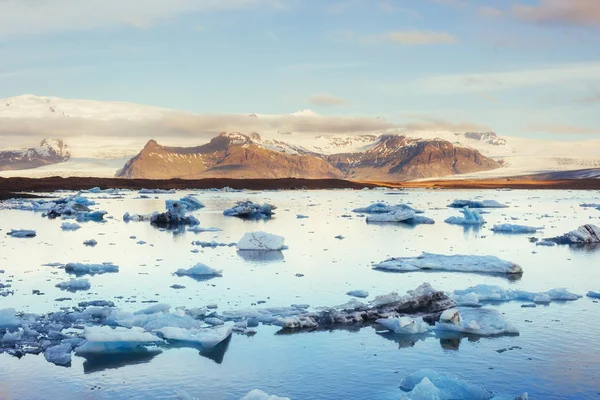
330	251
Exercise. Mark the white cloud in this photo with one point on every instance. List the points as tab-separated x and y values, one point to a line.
561	129
562	12
412	37
494	81
41	16
491	12
327	100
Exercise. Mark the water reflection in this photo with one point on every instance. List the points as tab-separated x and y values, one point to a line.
585	247
261	256
403	341
101	362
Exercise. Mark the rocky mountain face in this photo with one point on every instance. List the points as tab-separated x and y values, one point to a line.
50	151
226	156
235	155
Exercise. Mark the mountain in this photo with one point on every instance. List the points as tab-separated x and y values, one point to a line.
229	155
235	155
50	151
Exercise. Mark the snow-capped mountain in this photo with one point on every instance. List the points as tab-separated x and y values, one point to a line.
50	151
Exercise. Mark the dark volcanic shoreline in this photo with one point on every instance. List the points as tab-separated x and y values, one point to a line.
11	187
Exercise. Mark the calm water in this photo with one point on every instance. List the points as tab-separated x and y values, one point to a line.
560	350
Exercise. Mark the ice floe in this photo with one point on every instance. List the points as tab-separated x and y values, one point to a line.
260	395
205	337
91	269
404	325
476	204
383	208
22	233
593	295
358	293
428	384
470	217
393	216
584	234
250	210
8	318
191	203
104	339
175	215
476	295
261	241
199	270
90	242
70	226
157	191
512	228
74	285
457	263
199	229
212	244
475	321
59	354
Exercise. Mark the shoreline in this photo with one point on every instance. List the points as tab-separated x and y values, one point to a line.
13	187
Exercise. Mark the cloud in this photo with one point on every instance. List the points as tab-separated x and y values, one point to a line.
411	37
427	123
594	98
495	81
561	12
491	12
559	129
311	67
327	100
42	16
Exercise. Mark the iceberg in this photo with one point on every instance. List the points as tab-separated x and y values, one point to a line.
449	387
583	234
90	242
470	217
199	229
59	354
70	226
91	269
191	203
250	210
74	285
104	339
261	241
393	216
476	204
478	294
510	228
212	244
475	321
404	325
22	233
205	337
591	294
260	395
97	216
127	217
175	215
199	270
358	293
8	318
457	263
157	191
382	208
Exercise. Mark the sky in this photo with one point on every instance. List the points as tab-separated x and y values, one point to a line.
527	68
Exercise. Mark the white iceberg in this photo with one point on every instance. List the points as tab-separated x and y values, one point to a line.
260	395
104	339
476	204
449	387
358	293
74	285
22	233
382	208
404	325
475	321
199	270
457	263
478	294
511	228
190	201
583	234
205	337
91	269
261	241
250	210
393	216
70	226
59	354
470	217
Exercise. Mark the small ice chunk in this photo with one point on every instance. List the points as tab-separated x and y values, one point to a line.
459	263
476	204
199	229
358	293
74	285
383	208
393	216
70	226
90	242
404	325
449	386
91	269
425	390
470	217
104	339
8	318
300	216
260	395
511	228
592	294
475	321
261	241
22	233
250	210
59	355
545	243
199	270
206	337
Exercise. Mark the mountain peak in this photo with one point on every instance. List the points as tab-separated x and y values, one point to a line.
152	144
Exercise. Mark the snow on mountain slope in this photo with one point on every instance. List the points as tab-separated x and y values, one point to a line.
75	167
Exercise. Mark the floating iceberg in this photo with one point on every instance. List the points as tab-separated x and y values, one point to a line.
157	191
404	325
189	201
8	318
393	216
22	233
175	215
470	217
583	234
593	295
212	244
90	242
457	263
475	321
74	285
592	205
476	204
91	269
510	228
382	208
250	210
205	337
96	216
70	226
546	243
59	354
428	384
127	217
358	293
75	206
104	339
478	294
260	395
199	270
261	241
199	229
